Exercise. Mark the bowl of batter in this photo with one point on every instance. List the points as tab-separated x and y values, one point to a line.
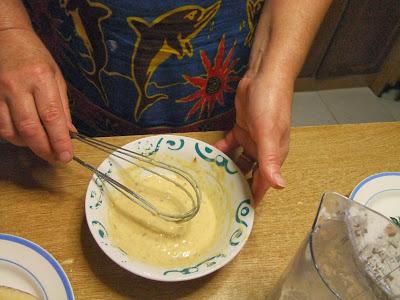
151	247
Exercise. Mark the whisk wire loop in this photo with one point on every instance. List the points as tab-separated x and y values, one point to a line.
130	157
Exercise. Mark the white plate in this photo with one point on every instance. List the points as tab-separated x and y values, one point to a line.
26	266
380	192
238	221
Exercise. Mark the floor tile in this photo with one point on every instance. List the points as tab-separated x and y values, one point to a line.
392	107
355	105
309	110
391	94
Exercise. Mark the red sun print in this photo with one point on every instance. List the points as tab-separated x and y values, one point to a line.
213	85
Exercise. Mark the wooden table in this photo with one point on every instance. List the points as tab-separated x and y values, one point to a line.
45	204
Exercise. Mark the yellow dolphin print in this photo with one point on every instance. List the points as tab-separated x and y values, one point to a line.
87	16
253	9
169	34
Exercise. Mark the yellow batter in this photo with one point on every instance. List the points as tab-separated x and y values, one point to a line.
161	243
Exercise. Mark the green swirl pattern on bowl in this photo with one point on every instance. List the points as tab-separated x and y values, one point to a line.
209	262
238	230
96	195
242	210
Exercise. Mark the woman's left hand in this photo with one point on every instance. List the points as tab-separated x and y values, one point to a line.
263	117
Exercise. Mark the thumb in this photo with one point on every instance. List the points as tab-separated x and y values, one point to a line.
269	160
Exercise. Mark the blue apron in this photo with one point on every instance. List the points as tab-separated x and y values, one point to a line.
148	66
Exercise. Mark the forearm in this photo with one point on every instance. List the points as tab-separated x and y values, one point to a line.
13	15
288	29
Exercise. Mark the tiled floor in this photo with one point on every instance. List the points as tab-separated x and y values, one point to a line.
343	106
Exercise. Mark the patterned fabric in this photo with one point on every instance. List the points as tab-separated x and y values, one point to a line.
135	66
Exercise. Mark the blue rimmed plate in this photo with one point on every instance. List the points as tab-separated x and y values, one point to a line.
380	192
26	266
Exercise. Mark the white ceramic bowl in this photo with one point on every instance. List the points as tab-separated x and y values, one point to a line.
237	221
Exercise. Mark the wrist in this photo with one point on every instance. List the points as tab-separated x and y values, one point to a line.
275	78
277	86
13	15
8	27
281	63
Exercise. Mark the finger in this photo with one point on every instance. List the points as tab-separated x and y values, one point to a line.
244	164
62	88
7	129
228	143
27	122
245	140
259	186
269	160
51	112
240	137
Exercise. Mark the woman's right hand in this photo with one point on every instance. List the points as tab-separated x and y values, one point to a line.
34	109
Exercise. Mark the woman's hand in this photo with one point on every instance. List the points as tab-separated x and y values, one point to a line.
283	36
263	115
34	108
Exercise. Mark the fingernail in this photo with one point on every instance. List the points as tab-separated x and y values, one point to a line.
65	156
279	180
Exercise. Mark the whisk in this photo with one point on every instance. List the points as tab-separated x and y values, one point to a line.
134	158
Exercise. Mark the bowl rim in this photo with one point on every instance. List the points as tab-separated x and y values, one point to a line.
230	255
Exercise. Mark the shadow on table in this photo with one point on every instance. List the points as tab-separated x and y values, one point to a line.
21	166
128	284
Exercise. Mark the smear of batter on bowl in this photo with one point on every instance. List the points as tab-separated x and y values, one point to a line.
8	293
160	243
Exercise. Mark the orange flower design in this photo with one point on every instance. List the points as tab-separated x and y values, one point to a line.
212	85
